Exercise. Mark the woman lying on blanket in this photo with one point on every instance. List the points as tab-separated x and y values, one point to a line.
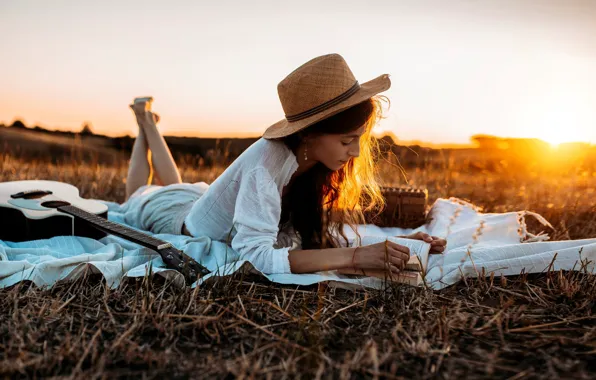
280	202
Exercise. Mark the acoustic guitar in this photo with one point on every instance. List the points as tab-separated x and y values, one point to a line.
31	210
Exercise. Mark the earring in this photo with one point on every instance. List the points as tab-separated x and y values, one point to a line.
305	150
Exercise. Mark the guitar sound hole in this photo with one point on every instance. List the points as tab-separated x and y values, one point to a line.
54	204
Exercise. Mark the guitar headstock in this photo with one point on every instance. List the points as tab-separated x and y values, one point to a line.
178	260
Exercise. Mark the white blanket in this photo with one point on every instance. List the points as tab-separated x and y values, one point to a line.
498	243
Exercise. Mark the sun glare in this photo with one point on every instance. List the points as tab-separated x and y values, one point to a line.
562	124
555	137
559	134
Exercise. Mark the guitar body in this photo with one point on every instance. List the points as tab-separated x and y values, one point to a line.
27	219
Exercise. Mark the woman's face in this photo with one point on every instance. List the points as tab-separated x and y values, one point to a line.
335	150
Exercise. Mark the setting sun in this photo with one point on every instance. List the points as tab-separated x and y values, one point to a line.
559	127
557	136
560	117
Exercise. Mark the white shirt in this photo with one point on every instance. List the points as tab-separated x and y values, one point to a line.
243	205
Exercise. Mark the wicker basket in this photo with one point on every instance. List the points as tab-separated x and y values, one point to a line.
405	208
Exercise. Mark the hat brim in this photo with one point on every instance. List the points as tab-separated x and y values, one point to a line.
285	128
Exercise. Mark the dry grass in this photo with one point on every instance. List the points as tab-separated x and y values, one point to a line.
527	326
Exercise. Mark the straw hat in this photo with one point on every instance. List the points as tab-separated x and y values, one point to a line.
319	89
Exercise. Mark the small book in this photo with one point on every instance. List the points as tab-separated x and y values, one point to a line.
415	267
405	277
419	250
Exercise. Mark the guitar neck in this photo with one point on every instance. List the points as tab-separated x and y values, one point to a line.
115	228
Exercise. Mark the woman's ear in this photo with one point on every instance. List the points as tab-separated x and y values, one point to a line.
306	136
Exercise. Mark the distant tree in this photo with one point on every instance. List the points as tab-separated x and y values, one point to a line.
389	139
18	124
486	141
86	130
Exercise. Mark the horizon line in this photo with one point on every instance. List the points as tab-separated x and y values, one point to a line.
249	135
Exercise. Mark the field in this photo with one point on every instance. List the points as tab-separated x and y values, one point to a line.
526	326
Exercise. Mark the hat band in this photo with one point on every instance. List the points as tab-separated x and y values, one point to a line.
328	104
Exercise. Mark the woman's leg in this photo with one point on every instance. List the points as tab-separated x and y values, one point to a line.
166	171
139	170
149	147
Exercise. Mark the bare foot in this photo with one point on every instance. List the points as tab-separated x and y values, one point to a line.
142	110
155	117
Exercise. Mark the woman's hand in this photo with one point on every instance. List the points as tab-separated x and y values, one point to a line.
437	245
384	256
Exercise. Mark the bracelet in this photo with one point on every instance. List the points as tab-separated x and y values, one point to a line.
353	256
386	253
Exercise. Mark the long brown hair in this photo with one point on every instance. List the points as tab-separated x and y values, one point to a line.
321	201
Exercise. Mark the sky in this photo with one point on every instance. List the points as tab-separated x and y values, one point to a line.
517	68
